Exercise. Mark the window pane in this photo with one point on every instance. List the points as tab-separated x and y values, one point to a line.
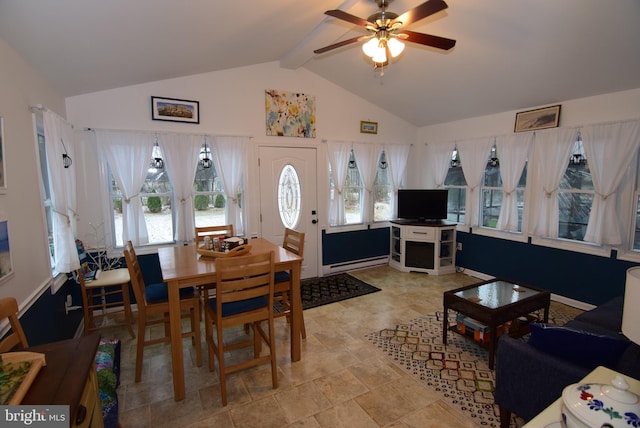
491	204
289	196
575	198
456	204
353	193
574	214
382	191
456	184
209	198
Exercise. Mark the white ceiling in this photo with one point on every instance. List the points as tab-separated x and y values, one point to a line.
510	54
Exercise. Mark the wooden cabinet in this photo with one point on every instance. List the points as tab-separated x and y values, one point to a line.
423	247
69	378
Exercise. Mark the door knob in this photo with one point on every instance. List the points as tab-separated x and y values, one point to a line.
314	221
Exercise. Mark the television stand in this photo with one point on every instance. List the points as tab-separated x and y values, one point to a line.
423	246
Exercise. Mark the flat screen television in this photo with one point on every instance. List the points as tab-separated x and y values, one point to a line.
422	204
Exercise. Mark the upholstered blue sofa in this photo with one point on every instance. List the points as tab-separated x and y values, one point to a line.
531	374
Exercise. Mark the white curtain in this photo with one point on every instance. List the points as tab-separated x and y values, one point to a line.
397	158
473	158
231	155
367	156
338	153
59	138
128	154
609	149
439	160
513	151
551	152
181	153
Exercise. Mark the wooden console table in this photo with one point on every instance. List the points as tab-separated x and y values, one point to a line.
69	378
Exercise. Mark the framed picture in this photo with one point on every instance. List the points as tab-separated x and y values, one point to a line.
3	176
6	266
547	117
368	127
175	110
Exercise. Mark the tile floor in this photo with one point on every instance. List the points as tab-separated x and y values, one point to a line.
341	381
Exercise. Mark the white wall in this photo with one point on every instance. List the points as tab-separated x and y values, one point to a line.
232	102
610	107
21	87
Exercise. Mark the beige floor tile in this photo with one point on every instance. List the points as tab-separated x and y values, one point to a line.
302	401
342	379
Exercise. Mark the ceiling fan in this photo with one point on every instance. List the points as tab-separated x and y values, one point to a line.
385	31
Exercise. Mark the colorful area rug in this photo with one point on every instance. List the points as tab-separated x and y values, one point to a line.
460	372
330	289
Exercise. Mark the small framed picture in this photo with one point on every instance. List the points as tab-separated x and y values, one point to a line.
368	127
175	110
530	120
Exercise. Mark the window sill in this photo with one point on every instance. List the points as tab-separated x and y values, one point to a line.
577	247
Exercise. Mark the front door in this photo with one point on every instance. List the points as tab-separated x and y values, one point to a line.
288	198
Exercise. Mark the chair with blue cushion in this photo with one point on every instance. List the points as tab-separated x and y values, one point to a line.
153	308
293	241
243	296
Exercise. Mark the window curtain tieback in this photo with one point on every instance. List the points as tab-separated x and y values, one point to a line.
63	215
127	200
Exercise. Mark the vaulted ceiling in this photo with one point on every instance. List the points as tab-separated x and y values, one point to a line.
510	54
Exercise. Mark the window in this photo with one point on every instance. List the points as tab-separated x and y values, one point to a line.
492	192
209	198
382	191
45	188
456	184
353	192
156	195
289	196
575	196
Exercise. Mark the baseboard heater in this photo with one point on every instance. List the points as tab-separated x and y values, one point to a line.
354	264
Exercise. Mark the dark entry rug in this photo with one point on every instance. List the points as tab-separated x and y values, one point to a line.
329	289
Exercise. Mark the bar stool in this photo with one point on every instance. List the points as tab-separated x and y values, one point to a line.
108	283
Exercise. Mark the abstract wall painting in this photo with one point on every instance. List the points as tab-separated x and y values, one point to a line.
290	114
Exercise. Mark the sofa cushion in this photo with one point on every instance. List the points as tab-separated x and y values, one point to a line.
586	349
608	315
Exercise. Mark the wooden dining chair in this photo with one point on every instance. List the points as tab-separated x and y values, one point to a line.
17	338
153	308
243	295
213	231
294	242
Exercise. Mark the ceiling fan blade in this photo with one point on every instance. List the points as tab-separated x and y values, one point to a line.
348	17
420	12
427	39
340	44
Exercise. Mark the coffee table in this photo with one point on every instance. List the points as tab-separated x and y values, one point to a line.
493	303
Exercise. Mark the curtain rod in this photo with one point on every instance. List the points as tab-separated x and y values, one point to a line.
165	132
577	127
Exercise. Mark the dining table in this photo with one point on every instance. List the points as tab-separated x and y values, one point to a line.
184	266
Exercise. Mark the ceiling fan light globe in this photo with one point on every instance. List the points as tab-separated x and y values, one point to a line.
370	47
380	55
395	47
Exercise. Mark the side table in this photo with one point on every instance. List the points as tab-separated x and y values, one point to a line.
69	378
552	414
